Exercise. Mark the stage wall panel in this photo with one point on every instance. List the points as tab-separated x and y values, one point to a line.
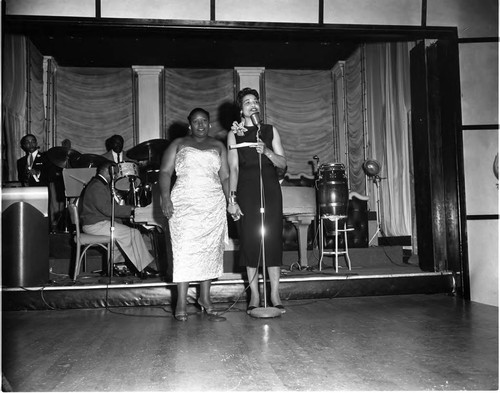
156	9
369	12
286	11
70	8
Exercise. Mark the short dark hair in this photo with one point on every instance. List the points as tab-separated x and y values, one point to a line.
243	92
104	166
191	114
111	139
23	139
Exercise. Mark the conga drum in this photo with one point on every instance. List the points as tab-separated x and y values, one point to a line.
333	192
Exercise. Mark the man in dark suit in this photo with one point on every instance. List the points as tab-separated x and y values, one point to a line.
114	147
95	209
32	169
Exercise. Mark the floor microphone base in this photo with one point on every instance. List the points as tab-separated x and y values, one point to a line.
265	312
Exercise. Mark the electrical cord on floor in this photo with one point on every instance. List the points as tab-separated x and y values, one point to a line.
41	295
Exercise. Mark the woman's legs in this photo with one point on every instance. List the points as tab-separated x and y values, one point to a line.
274	278
253	279
204	299
181	307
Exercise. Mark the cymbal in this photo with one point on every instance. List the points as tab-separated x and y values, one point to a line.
60	156
88	161
151	150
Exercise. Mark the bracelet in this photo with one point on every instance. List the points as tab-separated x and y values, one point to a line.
232	200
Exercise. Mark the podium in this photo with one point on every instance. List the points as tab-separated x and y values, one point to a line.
25	236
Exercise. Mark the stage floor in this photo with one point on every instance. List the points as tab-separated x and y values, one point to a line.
385	343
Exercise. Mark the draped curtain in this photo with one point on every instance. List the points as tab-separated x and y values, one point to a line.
388	110
355	109
22	100
300	105
91	105
36	105
13	102
186	89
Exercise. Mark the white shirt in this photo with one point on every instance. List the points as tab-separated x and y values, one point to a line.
117	157
34	154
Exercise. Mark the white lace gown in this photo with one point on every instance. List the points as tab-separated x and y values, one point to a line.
198	226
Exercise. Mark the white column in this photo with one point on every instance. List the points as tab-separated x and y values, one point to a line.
148	102
250	77
253	77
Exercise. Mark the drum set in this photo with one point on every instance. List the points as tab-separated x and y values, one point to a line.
133	180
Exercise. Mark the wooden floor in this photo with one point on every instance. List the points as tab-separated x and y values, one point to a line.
406	342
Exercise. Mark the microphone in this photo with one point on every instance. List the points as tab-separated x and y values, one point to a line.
255	117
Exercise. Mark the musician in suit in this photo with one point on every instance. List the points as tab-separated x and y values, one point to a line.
95	209
114	147
32	169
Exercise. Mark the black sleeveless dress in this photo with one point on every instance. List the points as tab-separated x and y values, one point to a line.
248	191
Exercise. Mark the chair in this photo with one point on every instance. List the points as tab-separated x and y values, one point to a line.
85	240
336	233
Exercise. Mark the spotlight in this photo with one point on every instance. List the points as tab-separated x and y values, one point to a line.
371	167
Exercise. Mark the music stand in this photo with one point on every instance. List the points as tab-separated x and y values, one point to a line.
75	179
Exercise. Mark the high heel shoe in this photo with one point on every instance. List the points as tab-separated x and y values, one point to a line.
181	316
213	315
250	308
281	308
207	310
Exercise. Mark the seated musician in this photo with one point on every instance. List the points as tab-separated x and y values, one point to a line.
114	147
95	207
32	169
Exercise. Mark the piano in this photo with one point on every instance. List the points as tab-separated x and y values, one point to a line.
152	214
299	208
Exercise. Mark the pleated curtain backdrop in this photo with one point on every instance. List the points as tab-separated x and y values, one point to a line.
300	105
212	90
92	104
36	104
354	114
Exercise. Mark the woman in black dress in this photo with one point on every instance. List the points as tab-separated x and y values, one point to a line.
245	201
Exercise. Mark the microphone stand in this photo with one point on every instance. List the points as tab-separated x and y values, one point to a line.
111	256
262	312
376	180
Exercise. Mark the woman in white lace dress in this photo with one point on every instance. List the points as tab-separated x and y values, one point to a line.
196	208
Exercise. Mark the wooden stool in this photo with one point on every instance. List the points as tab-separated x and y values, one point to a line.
335	252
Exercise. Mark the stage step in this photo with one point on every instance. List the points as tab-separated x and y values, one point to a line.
227	290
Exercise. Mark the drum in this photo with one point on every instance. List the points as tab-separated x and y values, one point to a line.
333	192
127	182
126	173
